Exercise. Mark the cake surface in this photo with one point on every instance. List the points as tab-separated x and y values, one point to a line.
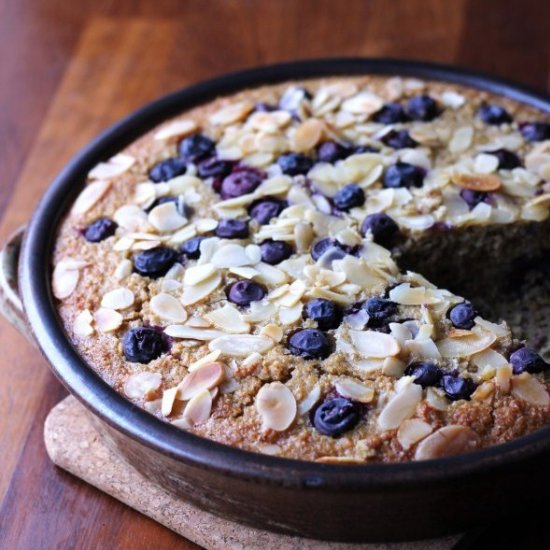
244	270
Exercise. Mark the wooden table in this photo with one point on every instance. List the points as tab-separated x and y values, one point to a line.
70	68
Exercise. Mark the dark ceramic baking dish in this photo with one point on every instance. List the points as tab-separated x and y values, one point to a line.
348	503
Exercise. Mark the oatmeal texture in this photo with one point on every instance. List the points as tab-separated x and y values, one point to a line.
247	270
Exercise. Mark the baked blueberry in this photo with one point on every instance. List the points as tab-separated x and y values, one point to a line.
330	151
507	160
424	373
100	230
535	131
241	182
143	344
422	107
473	198
398	139
192	248
527	360
403	174
196	147
335	416
264	210
274	252
243	293
379	311
383	229
155	262
263	107
322	245
214	168
309	343
232	229
350	196
493	114
326	314
456	388
294	164
360	149
167	169
390	113
462	315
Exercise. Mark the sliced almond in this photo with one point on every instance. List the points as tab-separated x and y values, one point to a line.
198	292
478	182
483	391
131	217
65	277
229	319
447	441
364	103
165	217
272	331
412	431
412	296
400	407
307	135
116	166
241	345
461	139
176	129
276	406
231	113
119	298
82	325
465	346
107	320
290	315
309	400
142	384
198	273
529	389
168	400
205	377
231	255
123	270
208	358
168	308
191	333
352	389
198	410
90	195
503	377
370	343
393	366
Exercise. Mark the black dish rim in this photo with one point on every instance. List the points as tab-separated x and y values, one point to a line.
160	436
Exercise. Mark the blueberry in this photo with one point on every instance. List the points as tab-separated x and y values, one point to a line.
493	114
274	252
527	360
214	168
462	315
196	147
422	107
535	131
398	139
335	416
390	113
425	374
321	246
506	159
330	151
263	210
383	229
263	107
379	311
309	343
243	293
294	164
360	149
473	198
241	182
143	344
456	388
167	169
100	230
403	174
327	314
192	248
155	262
349	197
232	229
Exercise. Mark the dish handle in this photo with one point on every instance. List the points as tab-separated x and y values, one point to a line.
11	306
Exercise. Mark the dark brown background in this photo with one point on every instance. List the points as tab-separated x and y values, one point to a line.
69	68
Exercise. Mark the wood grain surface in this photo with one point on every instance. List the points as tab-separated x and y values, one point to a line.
68	69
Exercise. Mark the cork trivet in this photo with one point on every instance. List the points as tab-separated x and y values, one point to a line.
74	445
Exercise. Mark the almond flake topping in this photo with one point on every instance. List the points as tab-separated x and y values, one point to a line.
529	389
412	431
205	377
231	113
65	277
309	400
176	129
370	343
478	182
116	166
229	319
107	320
465	346
168	400
447	441
308	135
142	384
82	325
120	298
198	292
198	410
169	308
89	196
276	406
352	389
165	217
241	345
400	407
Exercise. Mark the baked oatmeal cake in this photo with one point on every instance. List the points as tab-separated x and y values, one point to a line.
260	270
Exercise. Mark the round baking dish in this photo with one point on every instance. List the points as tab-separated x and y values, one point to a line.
349	503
